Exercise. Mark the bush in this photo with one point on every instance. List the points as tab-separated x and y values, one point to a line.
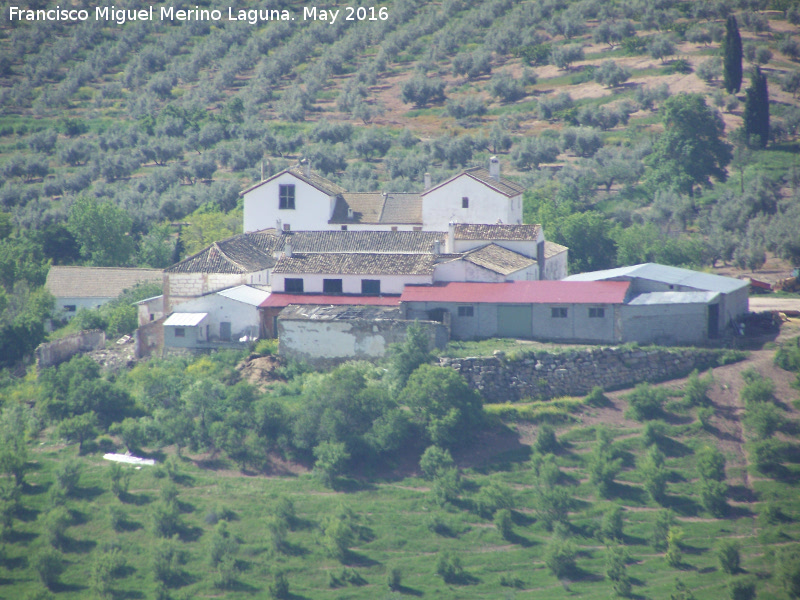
611	526
645	402
48	564
674	555
279	588
266	347
394	579
728	555
712	497
695	393
611	74
434	461
757	389
559	557
504	523
762	420
742	588
546	442
493	497
661	527
448	567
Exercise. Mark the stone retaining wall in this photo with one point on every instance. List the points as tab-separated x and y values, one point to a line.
541	375
54	353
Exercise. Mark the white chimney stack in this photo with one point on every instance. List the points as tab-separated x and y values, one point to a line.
427	184
350	214
494	168
306	167
287	247
278	226
437	248
450	244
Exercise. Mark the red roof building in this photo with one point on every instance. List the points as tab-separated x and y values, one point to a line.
521	292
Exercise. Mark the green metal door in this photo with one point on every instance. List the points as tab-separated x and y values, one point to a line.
515	321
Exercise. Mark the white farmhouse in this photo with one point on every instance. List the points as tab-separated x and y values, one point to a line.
298	199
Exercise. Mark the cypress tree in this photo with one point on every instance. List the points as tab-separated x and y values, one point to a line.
732	53
756	110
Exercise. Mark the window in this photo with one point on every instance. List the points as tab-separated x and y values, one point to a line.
152	317
558	313
286	197
464	202
69	308
331	286
417	228
394	227
344	227
180	332
466	311
287	227
293	285
597	313
371	287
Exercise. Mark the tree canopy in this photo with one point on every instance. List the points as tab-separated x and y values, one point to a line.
691	150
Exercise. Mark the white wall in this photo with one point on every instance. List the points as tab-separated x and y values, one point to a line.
312	208
180	287
524	247
442	205
351	284
244	318
78	303
555	267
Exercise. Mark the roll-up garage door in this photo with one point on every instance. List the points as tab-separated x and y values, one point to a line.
514	320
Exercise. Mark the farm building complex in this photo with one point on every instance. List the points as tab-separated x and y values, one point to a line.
338	275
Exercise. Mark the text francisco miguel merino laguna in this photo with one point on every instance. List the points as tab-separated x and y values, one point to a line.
170	13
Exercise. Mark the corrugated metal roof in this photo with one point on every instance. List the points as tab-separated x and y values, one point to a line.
245	294
315	312
96	282
651	298
280	300
521	292
668	275
185	319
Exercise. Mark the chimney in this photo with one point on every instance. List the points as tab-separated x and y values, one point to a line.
278	226
287	247
494	168
350	214
262	170
306	167
540	258
437	248
427	184
450	244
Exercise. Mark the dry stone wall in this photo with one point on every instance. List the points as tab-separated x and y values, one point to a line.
54	353
542	375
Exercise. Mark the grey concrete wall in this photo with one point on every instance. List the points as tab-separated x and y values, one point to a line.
329	342
54	353
482	324
541	375
665	324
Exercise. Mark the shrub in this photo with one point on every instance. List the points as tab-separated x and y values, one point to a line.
674	555
704	414
712	496
504	523
596	397
493	497
757	389
762	420
434	461
695	393
546	442
48	564
448	567
742	588
611	526
645	402
728	555
279	588
559	557
266	347
394	579
661	527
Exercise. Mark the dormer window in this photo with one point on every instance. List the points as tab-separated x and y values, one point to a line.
464	202
286	197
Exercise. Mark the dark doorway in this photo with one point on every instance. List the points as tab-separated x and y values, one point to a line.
713	320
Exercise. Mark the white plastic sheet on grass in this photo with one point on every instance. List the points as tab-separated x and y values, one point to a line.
127	458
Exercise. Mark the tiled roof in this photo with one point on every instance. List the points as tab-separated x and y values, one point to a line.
552	249
376	208
499	259
277	299
521	292
487	232
504	186
374	242
96	282
244	253
313	179
356	264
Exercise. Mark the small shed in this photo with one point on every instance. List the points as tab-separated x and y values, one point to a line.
671	318
185	330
